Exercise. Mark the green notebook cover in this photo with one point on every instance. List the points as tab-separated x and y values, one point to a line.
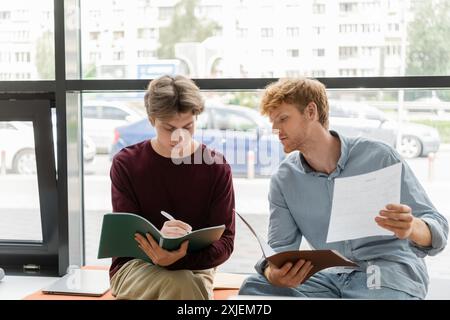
118	229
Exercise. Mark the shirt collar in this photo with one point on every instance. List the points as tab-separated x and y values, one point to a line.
306	168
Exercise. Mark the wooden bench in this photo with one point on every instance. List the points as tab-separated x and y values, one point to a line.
225	285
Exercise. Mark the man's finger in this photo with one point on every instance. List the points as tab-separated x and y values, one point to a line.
394	224
285	269
296	267
153	244
177	231
183	248
394	230
398	207
397	215
179	224
303	272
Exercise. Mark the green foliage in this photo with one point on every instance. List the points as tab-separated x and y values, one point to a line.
45	56
185	26
247	99
428	36
441	125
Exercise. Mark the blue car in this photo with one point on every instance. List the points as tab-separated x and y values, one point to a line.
240	133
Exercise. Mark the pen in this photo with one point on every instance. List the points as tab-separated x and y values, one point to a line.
168	216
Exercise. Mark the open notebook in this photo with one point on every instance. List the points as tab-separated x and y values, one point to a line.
80	282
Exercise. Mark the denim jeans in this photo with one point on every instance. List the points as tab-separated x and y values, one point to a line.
325	284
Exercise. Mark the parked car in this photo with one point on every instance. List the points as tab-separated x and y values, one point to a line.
240	133
17	145
359	119
100	118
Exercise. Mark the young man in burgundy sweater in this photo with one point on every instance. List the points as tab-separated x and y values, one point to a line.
174	173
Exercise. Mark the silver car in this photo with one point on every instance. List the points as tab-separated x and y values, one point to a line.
359	119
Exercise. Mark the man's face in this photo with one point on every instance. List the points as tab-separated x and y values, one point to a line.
291	126
175	134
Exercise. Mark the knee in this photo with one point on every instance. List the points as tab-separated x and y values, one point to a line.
182	284
179	279
253	284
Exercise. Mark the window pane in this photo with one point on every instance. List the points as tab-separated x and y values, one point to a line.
20	217
424	116
145	39
26	40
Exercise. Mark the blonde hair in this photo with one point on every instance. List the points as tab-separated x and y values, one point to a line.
299	92
168	96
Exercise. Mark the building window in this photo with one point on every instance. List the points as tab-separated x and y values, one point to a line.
267	52
348	72
367	72
348	28
146	33
23	57
370	5
318	8
368	50
347	52
94	36
294	53
95	56
347	7
370	27
95	14
5	15
318	73
266	32
117	35
393	50
293	73
393	27
241	32
319	52
293	32
118	55
165	13
146	53
318	30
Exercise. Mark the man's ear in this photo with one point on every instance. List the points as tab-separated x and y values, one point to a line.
152	121
311	111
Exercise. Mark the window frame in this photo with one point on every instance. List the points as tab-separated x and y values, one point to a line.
68	82
22	256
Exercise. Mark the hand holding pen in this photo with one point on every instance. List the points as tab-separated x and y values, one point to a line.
174	228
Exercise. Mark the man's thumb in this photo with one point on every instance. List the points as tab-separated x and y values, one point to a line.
184	246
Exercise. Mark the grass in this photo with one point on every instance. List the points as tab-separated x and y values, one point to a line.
443	126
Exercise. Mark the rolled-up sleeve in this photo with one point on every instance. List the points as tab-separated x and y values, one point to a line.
283	234
414	196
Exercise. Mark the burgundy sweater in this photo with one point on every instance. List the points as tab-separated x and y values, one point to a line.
144	182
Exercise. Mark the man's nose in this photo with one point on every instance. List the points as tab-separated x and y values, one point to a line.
275	129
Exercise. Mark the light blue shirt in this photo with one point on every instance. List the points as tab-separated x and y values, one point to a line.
300	206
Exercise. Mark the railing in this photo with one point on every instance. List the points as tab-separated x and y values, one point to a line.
413	106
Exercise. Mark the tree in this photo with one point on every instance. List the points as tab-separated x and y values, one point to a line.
185	26
45	56
428	36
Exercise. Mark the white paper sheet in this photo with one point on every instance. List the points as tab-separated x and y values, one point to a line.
357	201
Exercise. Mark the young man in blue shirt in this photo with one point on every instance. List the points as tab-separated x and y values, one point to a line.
300	199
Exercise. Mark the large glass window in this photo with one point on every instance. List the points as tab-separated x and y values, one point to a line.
20	217
26	40
424	141
402	37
